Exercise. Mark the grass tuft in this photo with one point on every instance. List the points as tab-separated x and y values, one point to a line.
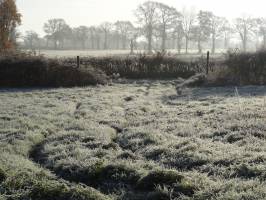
159	177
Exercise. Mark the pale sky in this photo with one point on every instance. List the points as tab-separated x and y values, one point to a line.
93	12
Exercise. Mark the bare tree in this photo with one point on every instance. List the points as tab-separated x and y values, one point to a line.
133	35
179	35
262	30
167	20
201	32
82	35
92	36
124	28
226	31
64	35
98	33
188	19
147	18
54	29
30	39
218	26
106	28
245	27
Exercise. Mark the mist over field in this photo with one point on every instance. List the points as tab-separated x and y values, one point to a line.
107	25
132	100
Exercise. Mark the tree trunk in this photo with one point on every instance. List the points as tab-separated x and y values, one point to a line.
199	46
179	45
244	45
105	40
83	44
150	40
98	43
264	41
131	47
124	41
47	44
163	38
225	41
117	41
62	43
31	44
55	44
173	43
5	41
92	42
213	44
187	44
245	40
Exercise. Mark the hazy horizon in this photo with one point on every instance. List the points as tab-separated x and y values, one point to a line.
92	12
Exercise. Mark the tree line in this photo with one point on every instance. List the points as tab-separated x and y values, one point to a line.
159	27
59	35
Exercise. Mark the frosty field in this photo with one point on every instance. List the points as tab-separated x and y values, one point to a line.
133	141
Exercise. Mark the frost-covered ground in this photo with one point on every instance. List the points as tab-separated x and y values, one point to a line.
133	141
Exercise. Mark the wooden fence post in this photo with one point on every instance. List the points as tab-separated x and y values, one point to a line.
78	62
208	62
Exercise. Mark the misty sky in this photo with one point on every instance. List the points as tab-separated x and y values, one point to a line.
92	12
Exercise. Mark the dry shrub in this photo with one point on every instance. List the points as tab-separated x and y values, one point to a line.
247	68
32	71
140	67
